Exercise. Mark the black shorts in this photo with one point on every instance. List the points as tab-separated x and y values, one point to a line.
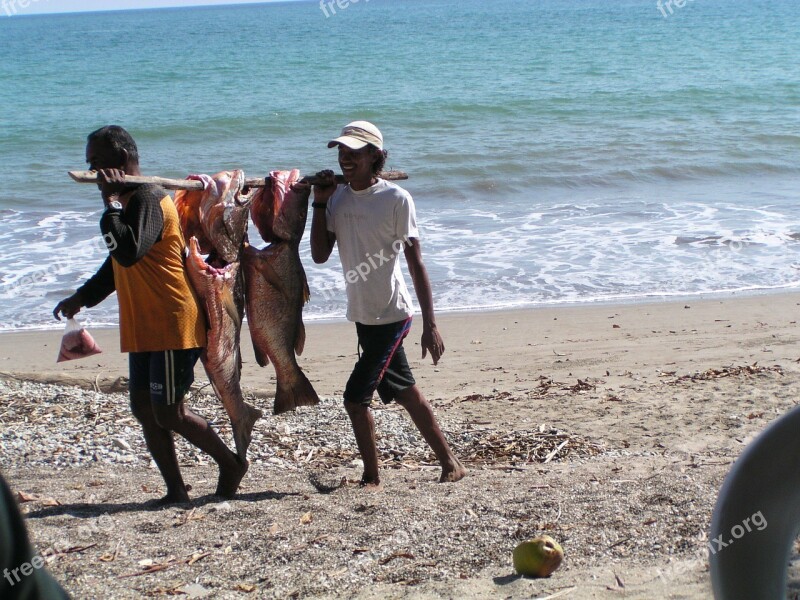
167	375
382	364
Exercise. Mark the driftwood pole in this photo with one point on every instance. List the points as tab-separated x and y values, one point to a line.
192	184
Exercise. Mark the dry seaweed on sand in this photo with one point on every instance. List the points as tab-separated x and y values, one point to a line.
62	426
731	371
488	447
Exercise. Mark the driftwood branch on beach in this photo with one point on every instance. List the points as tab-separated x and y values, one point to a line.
192	184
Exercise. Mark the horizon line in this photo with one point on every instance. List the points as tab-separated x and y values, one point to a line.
8	7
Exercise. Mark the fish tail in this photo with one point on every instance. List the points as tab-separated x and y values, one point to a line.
298	392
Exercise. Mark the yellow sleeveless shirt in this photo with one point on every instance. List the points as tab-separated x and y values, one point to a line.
158	309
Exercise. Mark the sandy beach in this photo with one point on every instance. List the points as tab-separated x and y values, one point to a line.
637	409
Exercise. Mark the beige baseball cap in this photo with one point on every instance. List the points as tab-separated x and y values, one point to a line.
358	134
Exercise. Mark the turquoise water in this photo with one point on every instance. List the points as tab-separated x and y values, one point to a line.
558	150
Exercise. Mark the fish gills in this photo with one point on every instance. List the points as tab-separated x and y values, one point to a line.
224	213
278	212
187	203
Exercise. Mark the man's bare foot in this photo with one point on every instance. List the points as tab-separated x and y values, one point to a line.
452	472
370	484
173	497
229	479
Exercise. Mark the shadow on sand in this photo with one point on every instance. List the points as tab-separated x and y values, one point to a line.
91	511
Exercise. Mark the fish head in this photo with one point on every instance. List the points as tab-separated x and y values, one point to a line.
215	286
187	204
224	212
198	266
280	212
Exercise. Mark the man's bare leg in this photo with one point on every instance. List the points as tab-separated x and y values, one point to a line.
161	446
364	430
422	415
197	431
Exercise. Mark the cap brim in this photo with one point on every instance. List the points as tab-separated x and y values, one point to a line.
350	142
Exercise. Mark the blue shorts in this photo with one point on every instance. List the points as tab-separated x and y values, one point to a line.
382	364
167	374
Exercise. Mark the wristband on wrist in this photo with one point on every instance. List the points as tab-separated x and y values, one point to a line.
319	205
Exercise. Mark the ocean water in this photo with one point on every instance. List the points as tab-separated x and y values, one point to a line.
559	151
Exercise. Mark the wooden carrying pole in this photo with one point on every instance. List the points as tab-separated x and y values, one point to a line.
193	184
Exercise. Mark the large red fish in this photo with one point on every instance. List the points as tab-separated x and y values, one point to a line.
277	289
221	356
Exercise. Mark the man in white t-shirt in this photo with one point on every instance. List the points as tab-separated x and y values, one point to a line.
374	221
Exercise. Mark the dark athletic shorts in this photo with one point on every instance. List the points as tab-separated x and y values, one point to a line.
167	375
382	364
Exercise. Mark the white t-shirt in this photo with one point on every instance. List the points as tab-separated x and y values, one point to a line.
372	229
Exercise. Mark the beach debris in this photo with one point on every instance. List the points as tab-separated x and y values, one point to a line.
618	586
521	447
121	444
109	558
394	555
195	590
309	439
23	497
740	371
583	385
150	566
245	587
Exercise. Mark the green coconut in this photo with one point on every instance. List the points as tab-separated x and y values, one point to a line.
538	557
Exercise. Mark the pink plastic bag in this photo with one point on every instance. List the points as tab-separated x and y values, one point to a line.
76	343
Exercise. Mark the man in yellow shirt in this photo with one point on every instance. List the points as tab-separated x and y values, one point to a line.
161	323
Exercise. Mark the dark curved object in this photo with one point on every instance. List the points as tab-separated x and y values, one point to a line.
757	516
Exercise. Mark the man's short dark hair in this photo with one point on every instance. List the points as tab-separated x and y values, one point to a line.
116	138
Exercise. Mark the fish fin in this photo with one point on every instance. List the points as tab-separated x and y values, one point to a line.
290	395
230	307
261	357
300	343
271	276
